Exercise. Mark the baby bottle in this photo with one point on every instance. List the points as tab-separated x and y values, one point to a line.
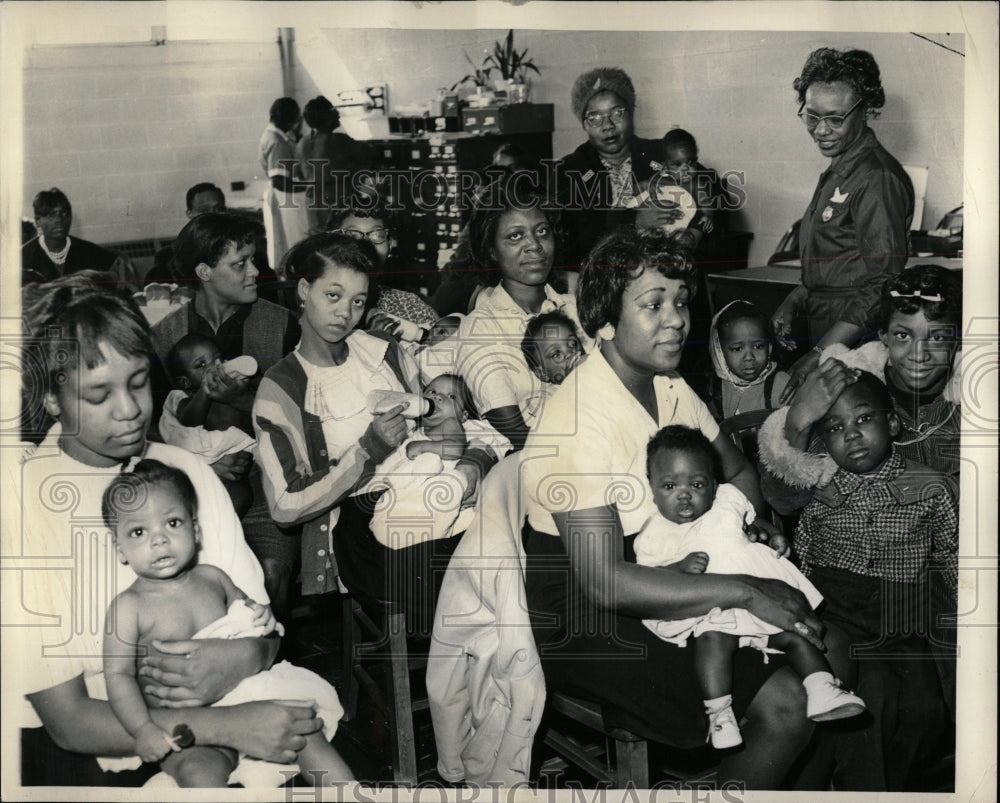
240	367
379	401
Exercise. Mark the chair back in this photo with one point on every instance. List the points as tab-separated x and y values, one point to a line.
742	430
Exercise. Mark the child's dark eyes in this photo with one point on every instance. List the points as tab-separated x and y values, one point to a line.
137	532
864	419
175	522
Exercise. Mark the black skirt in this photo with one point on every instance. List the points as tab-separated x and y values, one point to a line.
408	578
644	684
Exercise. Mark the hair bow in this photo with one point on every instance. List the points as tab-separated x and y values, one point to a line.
935	298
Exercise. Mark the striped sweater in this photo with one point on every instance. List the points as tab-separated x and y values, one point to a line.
303	485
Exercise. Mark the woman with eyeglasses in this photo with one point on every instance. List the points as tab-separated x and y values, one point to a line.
396	309
853	235
595	183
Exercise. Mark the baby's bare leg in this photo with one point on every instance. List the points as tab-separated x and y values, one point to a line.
803	656
201	767
321	765
713	663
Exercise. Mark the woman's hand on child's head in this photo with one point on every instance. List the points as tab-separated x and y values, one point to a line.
694	563
819	390
152	743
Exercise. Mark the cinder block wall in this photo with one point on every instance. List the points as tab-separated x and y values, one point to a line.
125	130
732	90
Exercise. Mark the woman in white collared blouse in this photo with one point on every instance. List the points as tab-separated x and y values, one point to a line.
514	242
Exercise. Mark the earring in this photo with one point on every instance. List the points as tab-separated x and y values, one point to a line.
606	332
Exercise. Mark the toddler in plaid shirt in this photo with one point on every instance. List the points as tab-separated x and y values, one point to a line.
882	523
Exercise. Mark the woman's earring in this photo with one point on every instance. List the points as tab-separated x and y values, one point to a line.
606	332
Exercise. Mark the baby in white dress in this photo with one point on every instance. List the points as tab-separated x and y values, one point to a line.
701	528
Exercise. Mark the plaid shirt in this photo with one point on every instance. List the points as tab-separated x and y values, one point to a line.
895	524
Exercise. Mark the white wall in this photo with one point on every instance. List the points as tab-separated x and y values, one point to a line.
733	91
125	130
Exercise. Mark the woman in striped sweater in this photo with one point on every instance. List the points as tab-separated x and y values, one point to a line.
318	442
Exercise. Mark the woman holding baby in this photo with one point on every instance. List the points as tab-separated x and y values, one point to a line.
319	439
583	474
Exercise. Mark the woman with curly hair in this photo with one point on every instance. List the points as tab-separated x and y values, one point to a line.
583	475
853	234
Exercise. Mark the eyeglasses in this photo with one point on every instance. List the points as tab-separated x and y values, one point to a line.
596	119
375	236
811	120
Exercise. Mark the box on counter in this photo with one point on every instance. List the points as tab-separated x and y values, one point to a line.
520	118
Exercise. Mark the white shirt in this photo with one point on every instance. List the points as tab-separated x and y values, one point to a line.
64	570
489	347
589	448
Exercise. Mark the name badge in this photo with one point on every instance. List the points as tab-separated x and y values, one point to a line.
827	214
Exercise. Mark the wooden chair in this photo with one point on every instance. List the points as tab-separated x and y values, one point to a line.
631	764
742	430
381	635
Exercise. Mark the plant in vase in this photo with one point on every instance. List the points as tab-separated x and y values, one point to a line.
479	77
513	67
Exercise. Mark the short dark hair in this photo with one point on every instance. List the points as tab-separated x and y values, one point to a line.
284	113
679	138
129	491
198	189
616	261
48	200
743	311
309	258
676	438
856	68
912	290
513	191
360	206
535	330
174	364
68	318
875	390
206	238
320	114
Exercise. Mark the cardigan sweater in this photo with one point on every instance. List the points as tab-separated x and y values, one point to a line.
301	482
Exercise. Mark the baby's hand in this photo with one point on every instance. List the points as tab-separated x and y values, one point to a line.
262	615
781	546
695	563
152	743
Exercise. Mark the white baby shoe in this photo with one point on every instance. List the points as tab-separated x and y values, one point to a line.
723	731
826	701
